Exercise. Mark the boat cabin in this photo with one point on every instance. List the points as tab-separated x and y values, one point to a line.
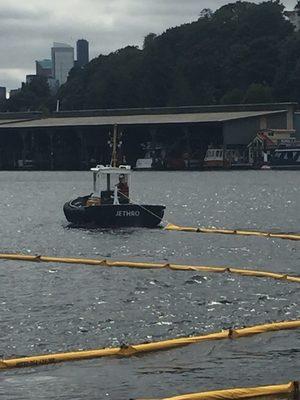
111	185
214	155
215	158
289	156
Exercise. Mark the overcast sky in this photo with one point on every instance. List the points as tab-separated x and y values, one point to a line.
28	28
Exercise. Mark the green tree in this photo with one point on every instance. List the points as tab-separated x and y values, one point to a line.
287	79
33	96
234	96
241	48
258	93
148	40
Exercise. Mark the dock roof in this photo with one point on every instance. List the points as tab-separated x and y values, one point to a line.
134	119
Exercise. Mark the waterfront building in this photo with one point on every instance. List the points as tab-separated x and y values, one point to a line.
183	135
263	146
82	47
44	68
62	56
2	93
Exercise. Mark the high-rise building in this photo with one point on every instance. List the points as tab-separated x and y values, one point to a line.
30	78
82	52
62	56
44	68
2	93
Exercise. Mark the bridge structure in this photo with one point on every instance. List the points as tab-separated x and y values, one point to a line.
76	139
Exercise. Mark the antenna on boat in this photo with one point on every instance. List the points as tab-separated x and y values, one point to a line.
114	147
115	143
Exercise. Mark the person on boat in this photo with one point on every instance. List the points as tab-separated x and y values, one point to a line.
123	189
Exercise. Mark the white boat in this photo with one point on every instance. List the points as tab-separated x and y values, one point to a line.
154	158
286	158
216	158
144	163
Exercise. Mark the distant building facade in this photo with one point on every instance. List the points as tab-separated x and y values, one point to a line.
53	85
82	48
2	93
44	68
29	79
62	57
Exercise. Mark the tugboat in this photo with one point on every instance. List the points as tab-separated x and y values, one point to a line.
109	206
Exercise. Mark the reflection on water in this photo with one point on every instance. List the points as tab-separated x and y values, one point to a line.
50	307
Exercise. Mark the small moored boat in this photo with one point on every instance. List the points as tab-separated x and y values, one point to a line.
286	158
216	158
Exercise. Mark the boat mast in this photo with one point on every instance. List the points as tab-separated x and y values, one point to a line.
114	147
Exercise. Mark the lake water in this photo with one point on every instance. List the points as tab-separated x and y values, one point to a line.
50	307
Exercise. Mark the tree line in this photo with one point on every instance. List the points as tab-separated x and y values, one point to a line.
241	53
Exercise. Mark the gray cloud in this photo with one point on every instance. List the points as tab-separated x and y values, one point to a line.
13	13
28	30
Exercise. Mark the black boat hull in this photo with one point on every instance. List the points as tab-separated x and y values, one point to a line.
110	215
286	167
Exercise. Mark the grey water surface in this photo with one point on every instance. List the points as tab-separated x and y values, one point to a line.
52	307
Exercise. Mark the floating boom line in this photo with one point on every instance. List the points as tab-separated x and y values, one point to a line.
243	232
132	350
240	393
154	265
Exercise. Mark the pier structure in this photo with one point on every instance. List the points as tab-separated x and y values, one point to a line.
79	139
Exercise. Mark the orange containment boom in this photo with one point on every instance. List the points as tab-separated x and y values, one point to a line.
290	236
154	265
131	350
240	393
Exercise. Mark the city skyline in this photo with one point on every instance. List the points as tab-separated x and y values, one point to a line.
107	26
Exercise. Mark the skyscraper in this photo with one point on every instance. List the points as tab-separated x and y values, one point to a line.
43	68
62	56
2	93
82	52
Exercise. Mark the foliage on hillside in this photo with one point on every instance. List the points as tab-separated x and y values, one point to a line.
243	52
33	96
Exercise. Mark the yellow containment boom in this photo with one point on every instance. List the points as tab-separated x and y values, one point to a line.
146	265
240	393
131	350
290	236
